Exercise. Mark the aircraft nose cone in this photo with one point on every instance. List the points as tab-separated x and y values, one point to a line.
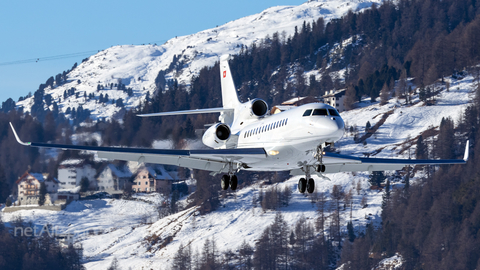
340	126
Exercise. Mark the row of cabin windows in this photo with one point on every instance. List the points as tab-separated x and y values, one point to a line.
265	128
320	112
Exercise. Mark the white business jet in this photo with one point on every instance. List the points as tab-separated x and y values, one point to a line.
247	137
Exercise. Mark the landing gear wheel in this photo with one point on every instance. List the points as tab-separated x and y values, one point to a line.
233	182
320	168
302	185
310	185
225	182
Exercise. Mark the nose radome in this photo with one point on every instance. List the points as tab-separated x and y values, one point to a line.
340	123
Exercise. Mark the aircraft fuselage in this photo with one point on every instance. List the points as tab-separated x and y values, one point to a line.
291	135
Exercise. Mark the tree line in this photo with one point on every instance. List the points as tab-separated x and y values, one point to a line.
433	223
25	248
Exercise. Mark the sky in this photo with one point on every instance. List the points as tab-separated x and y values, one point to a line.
61	33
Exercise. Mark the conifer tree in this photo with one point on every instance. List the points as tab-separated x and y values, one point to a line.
351	232
42	193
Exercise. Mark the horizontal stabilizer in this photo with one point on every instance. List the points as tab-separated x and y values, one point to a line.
211	110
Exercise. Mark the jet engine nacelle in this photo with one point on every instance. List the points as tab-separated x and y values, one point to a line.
258	107
216	135
253	109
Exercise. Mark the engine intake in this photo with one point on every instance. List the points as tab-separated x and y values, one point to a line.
216	135
222	132
259	107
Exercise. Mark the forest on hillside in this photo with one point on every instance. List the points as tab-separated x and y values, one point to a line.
433	224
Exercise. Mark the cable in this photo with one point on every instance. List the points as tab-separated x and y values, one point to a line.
57	57
48	58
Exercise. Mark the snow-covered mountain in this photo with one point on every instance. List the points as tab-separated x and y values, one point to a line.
110	229
137	66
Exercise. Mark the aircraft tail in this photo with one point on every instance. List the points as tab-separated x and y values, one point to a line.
229	93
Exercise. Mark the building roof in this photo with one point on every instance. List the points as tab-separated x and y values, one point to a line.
336	94
300	101
119	171
293	100
41	177
158	172
155	171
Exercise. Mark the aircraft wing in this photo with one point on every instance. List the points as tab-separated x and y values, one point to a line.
215	160
335	163
342	163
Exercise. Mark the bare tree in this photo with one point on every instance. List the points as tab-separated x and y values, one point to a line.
359	187
321	207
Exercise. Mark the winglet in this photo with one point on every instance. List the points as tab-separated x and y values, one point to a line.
465	156
16	136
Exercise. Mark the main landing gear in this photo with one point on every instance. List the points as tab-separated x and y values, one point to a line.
309	185
229	181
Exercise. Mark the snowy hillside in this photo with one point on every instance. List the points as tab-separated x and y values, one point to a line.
137	66
110	229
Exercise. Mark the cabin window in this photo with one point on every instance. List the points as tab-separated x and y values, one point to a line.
333	112
286	120
307	112
320	112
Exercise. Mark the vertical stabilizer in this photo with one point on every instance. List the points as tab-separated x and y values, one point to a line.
229	93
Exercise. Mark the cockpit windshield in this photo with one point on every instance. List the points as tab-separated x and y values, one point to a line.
320	112
333	112
307	112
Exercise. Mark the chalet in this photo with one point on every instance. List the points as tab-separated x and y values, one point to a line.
112	178
71	172
335	99
28	186
152	178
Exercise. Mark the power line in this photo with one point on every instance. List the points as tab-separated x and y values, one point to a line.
48	58
59	57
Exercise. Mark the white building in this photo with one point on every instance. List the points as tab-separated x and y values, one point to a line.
112	178
71	172
335	99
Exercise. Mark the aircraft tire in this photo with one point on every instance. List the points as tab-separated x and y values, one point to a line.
233	182
302	185
225	182
311	185
320	168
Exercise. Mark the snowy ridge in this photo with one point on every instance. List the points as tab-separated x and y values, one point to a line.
138	66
